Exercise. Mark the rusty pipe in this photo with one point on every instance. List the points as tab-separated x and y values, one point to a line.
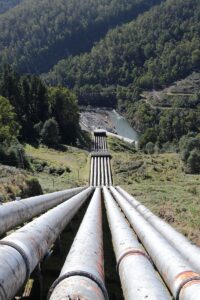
138	277
82	275
15	213
177	273
190	251
21	251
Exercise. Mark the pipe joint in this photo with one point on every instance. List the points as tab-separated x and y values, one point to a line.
132	252
186	278
80	273
22	253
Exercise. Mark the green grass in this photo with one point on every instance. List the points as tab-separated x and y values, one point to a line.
159	182
75	160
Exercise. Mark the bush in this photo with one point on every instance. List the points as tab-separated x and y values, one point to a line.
50	133
33	188
14	155
193	162
190	154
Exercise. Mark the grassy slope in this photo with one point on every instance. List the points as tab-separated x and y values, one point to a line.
161	185
75	159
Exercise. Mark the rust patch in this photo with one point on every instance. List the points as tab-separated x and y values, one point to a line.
186	275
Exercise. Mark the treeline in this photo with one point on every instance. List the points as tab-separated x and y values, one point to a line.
37	34
32	113
161	46
7	4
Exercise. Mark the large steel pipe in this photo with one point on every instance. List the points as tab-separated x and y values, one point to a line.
82	276
91	170
178	274
98	171
106	171
109	171
102	172
17	212
95	172
190	251
21	251
138	277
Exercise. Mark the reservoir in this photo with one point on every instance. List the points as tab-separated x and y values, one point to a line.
122	126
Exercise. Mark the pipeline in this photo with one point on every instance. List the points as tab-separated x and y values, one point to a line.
109	171
21	251
15	213
102	171
98	171
91	170
138	277
190	251
95	172
82	276
178	274
106	171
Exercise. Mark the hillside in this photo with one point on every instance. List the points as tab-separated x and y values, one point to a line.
158	181
7	4
46	31
159	47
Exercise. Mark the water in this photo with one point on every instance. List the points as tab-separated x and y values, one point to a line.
122	126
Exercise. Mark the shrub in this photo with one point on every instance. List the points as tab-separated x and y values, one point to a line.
50	133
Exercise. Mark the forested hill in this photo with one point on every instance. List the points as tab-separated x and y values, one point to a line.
159	47
7	4
36	34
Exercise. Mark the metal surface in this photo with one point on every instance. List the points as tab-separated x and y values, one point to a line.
102	171
95	172
106	171
17	212
91	171
177	273
83	274
109	172
190	251
138	277
21	251
98	172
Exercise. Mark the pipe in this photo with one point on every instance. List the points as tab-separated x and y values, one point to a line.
82	275
102	172
138	277
109	171
98	172
190	251
106	171
21	251
15	213
175	270
91	170
95	172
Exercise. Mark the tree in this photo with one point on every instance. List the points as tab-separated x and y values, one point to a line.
64	109
9	128
50	133
193	162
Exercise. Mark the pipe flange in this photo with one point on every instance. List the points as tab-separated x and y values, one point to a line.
185	282
80	273
132	252
22	253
